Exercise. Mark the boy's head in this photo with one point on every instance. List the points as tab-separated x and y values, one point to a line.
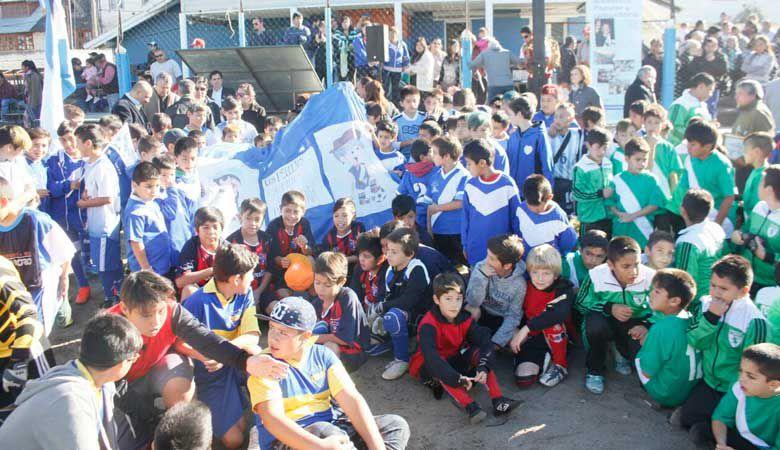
375	112
564	115
146	181
448	290
186	153
770	184
759	370
544	264
167	167
410	99
430	130
149	148
503	252
597	140
231	133
636	150
402	245
293	208
290	326
592	117
68	139
231	109
478	123
144	300
549	99
369	250
252	213
171	137
208	225
196	115
464	98
446	150
702	85
731	278
110	344
185	426
636	112
624	259
110	124
624	130
672	290
330	274
234	266
386	132
74	115
479	157
160	124
702	137
660	249
696	206
593	248
653	119
344	212
520	111
89	140
420	150
40	144
461	126
433	101
499	123
272	126
758	147
537	192
404	209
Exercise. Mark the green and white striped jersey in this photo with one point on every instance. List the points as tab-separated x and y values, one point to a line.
764	223
602	287
696	250
634	191
768	302
756	419
574	268
589	179
665	163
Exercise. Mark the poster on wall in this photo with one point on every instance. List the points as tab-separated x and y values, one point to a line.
616	50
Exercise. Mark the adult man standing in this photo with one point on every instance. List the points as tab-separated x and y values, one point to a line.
162	97
163	64
130	107
178	110
643	88
752	113
217	92
298	33
260	36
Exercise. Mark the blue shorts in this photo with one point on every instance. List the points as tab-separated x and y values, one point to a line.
221	392
106	253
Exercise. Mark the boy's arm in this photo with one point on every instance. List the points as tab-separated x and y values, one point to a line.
168	205
57	188
204	341
588	300
464	221
554	313
93	202
263	286
139	250
477	290
757	333
686	257
355	407
701	332
480	337
566	240
723	211
438	367
513	317
288	432
724	416
580	190
650	358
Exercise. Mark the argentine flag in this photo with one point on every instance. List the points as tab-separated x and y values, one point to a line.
58	81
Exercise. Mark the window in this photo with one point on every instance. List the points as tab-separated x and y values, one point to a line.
15	42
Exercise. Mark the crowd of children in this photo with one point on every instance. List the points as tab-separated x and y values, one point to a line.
516	233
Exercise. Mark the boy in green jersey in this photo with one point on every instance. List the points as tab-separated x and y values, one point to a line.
727	323
667	366
592	175
768	302
664	162
758	146
710	170
614	305
691	104
638	195
748	416
592	252
759	239
659	251
624	130
700	244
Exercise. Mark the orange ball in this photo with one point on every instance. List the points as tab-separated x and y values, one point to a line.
300	275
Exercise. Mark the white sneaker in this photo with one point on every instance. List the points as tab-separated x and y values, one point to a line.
395	370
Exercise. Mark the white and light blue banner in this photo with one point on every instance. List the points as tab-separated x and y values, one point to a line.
326	153
58	81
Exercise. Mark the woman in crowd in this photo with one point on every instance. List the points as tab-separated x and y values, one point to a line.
376	93
33	93
343	39
437	50
449	74
581	94
760	61
422	66
689	50
253	112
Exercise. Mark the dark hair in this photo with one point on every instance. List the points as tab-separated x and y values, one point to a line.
388	227
521	106
702	132
136	131
656	111
272	120
697	204
332	265
253	206
374	109
772	179
65	128
479	150
452	122
636	145
759	139
419	149
90	132
294	198
639	107
230	103
369	242
145	288
406	238
677	283
500	117
659	236
148	143
145	171
736	269
446	282
701	78
231	260
387	126
160	121
207	214
597	135
448	145
215	72
594	238
537	189
408	90
593	114
108	340
431	127
508	248
39	133
620	246
165	161
623	125
196	134
767	357
111	121
185	145
344	202
525	30
297	15
185	426
402	205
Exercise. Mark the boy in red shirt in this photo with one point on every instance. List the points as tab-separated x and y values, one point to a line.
440	362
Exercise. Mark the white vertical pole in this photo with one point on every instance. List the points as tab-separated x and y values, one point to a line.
398	13
489	16
185	71
241	28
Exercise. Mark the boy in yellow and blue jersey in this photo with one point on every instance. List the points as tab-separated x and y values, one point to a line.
225	305
296	410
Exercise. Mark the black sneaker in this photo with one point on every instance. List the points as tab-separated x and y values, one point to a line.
476	414
504	405
438	391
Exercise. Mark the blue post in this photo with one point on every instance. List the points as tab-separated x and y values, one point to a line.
669	69
241	29
328	49
465	57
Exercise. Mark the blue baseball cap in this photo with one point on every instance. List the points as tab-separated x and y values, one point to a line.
293	312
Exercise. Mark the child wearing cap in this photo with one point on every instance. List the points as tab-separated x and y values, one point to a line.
296	410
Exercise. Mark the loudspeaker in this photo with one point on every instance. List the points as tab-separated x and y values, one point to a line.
376	43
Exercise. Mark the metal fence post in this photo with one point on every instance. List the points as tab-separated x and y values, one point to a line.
398	16
489	16
185	71
669	69
328	47
241	28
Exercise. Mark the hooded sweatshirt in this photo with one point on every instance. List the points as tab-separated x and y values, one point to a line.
529	152
66	401
499	296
